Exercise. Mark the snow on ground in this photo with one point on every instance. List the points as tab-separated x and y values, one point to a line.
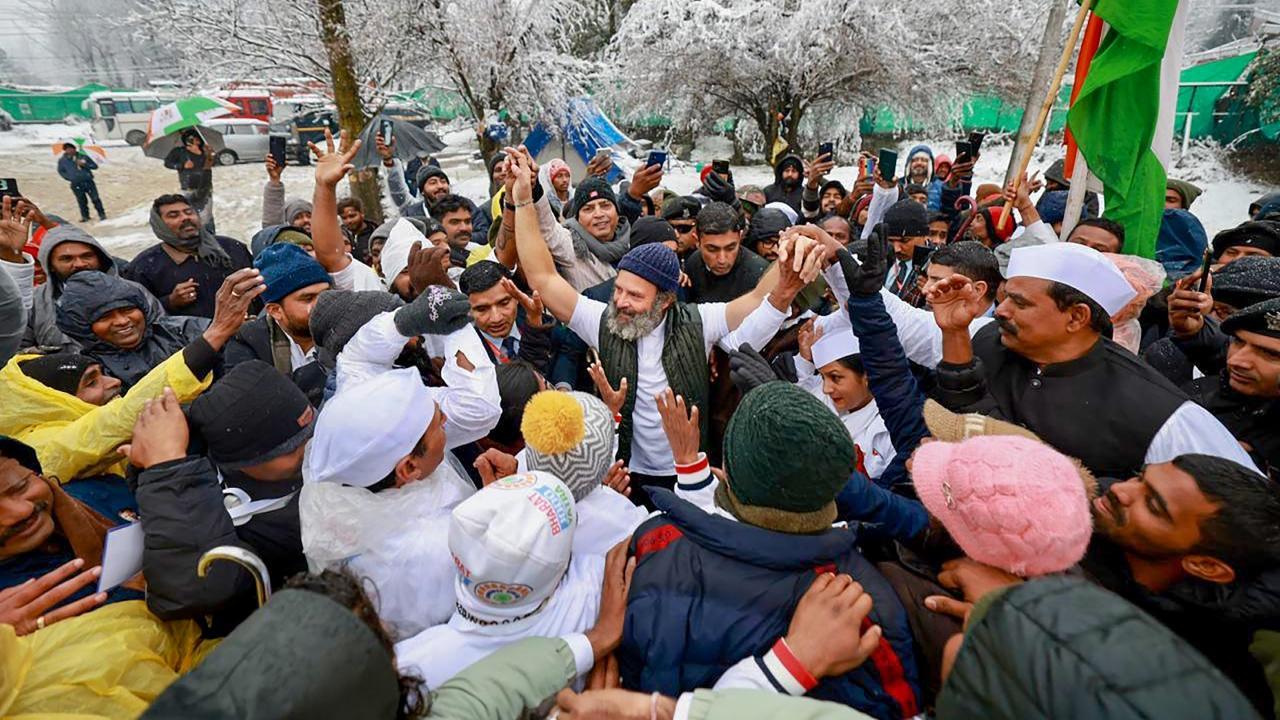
129	181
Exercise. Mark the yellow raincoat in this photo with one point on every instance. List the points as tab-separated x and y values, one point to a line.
72	438
109	663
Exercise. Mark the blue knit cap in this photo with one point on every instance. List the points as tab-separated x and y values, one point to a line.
1181	243
286	268
654	262
1052	206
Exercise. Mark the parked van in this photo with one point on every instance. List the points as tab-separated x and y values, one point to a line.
246	140
123	115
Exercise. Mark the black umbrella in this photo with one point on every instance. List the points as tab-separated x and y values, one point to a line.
410	141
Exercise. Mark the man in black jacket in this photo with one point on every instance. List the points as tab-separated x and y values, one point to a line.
511	324
787	176
282	336
254	425
1241	363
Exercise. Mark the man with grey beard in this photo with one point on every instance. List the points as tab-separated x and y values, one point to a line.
647	341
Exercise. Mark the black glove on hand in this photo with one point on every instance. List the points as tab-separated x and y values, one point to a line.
748	369
437	311
867	278
719	189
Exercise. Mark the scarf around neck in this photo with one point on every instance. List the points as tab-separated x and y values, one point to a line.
205	246
607	252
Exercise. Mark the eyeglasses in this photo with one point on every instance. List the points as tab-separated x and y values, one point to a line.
682	228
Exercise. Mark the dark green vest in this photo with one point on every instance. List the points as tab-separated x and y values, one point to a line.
684	359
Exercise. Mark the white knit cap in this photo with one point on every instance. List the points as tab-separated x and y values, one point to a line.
395	253
363	431
1077	266
833	345
511	543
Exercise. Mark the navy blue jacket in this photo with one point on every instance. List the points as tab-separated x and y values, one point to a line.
74	173
709	591
901	405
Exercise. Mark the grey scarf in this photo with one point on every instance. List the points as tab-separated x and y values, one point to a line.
205	246
608	252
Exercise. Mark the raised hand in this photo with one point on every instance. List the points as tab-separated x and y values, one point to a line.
644	180
23	606
273	170
333	164
231	305
618	478
15	226
684	431
865	275
522	180
955	302
385	151
160	433
614	398
428	267
535	311
1188	306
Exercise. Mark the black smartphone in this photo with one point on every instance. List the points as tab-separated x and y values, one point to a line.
278	143
9	187
1204	271
385	129
827	149
964	151
720	167
888	164
975	139
656	157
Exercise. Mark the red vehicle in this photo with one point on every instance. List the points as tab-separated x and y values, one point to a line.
252	104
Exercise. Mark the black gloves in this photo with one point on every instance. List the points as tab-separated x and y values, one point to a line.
437	311
720	190
748	369
866	279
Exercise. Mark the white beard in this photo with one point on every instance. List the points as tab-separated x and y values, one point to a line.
640	325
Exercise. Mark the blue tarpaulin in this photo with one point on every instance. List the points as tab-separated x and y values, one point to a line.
582	129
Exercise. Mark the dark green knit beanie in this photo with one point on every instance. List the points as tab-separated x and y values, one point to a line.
787	456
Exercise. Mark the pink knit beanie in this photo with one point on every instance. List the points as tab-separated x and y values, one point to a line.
1009	502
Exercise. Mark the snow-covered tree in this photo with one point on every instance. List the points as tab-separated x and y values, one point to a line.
817	63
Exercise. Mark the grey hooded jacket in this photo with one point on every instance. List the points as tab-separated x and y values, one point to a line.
42	321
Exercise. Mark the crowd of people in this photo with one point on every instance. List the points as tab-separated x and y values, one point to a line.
585	449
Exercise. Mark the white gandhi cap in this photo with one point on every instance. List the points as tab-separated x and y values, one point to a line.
1076	266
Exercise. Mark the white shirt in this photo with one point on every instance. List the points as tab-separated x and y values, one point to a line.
650	451
865	425
605	518
470	399
298	358
440	652
357	276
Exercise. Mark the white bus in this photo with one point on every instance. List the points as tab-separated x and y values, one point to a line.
123	115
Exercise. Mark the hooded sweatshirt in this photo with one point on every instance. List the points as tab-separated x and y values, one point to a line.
42	322
790	194
89	295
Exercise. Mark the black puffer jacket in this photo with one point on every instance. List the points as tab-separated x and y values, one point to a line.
1064	648
790	194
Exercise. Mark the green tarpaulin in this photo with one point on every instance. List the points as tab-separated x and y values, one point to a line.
47	107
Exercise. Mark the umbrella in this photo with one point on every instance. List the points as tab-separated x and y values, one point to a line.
187	112
87	146
160	147
411	141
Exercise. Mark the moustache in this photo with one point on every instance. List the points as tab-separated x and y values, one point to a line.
1007	326
18	528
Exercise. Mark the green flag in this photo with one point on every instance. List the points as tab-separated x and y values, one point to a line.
1114	116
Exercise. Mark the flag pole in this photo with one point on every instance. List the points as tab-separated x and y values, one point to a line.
1047	105
1088	47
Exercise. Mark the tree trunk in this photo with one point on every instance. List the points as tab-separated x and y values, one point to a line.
793	128
1050	51
346	96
